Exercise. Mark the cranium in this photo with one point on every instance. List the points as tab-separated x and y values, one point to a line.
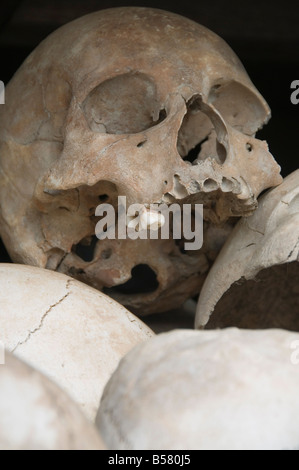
254	281
134	102
69	331
228	389
35	414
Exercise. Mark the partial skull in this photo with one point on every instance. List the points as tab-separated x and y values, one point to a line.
204	390
131	102
35	414
69	331
254	281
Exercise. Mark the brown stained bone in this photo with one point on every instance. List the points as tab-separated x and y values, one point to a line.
254	282
131	102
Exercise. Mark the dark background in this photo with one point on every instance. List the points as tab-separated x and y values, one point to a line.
265	36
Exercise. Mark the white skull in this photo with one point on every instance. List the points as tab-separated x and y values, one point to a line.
204	390
35	414
69	331
134	102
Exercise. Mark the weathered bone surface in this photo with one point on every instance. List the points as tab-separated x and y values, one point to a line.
134	102
35	414
71	332
222	390
254	282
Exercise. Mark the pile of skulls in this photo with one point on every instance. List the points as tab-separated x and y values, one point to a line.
149	105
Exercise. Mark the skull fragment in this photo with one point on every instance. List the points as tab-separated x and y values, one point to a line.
258	267
134	102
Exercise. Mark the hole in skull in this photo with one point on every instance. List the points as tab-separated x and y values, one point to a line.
162	115
141	144
226	185
4	256
143	280
86	248
125	104
210	185
106	254
249	147
103	197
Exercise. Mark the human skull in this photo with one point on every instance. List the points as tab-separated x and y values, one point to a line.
254	281
225	389
134	102
35	414
67	330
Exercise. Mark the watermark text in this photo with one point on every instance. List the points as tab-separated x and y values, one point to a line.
2	93
154	221
295	93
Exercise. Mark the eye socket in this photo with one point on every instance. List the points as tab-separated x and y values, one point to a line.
126	104
239	106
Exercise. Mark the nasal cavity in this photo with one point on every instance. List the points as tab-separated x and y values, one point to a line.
197	137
